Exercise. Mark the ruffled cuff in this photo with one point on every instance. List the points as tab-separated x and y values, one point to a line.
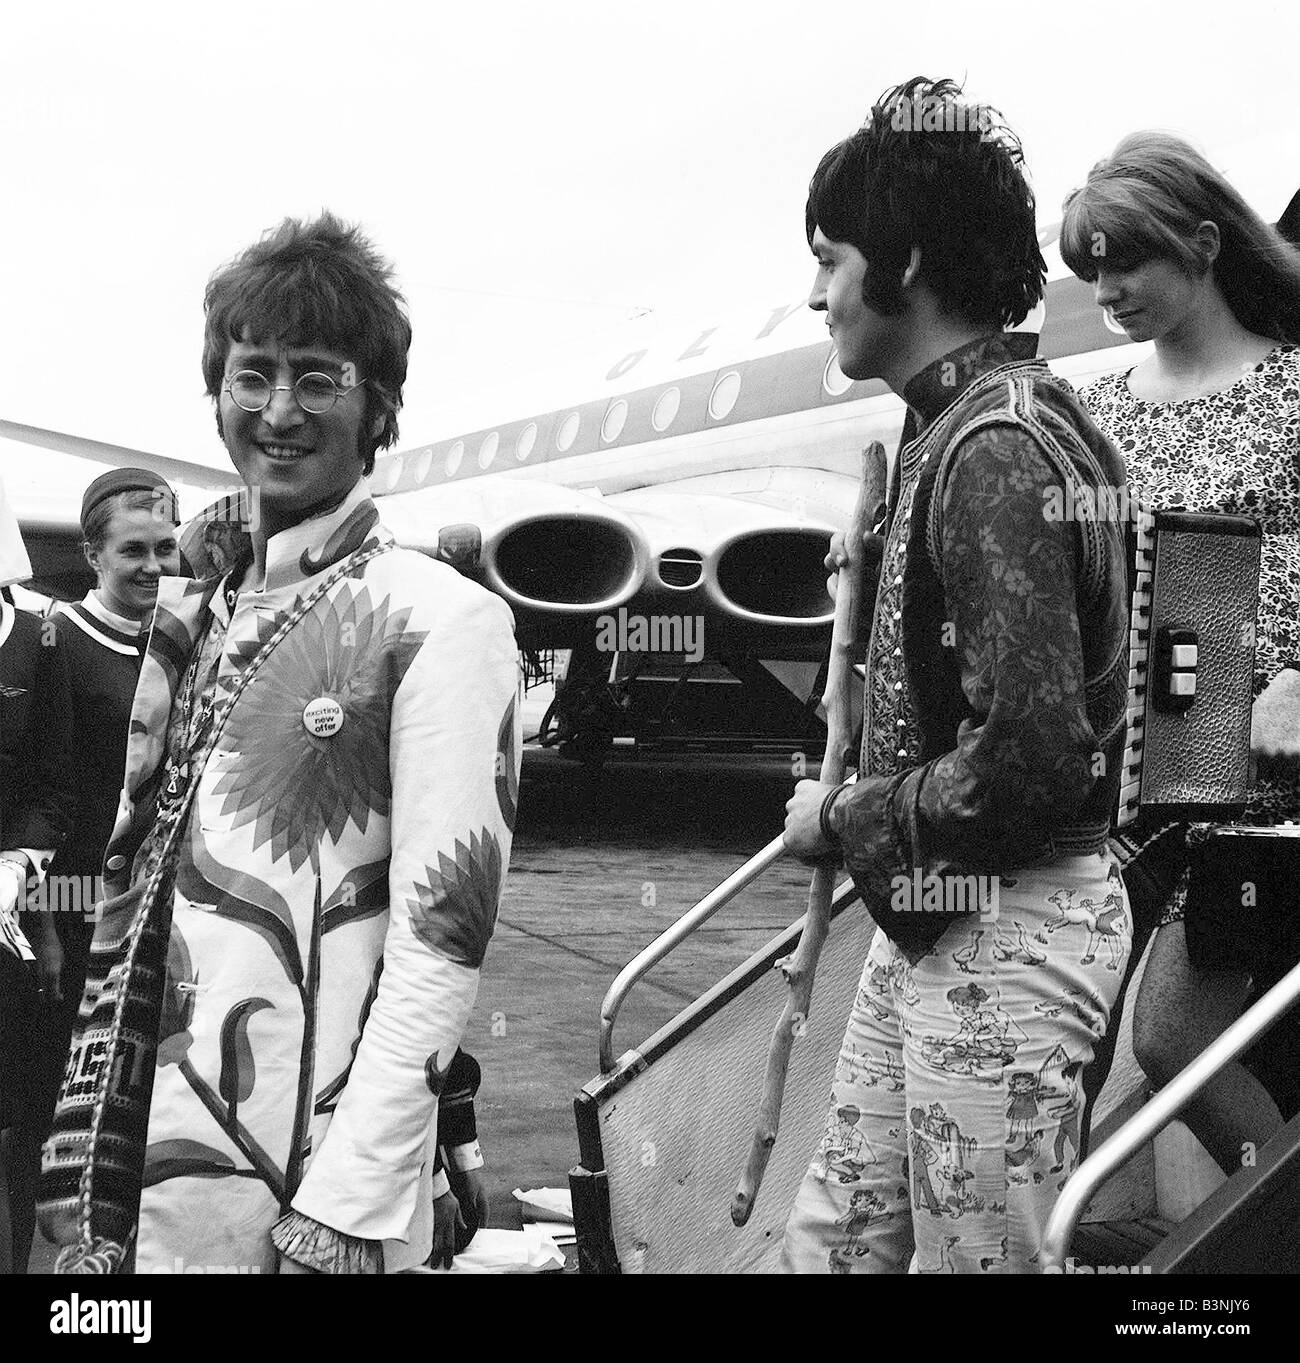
318	1247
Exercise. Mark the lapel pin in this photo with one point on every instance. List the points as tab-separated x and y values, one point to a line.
323	717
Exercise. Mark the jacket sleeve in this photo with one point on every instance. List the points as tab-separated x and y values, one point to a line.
454	761
1024	758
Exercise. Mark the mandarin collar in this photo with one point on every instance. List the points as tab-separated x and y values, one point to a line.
310	547
932	390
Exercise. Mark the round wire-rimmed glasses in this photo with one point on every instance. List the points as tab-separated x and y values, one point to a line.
315	393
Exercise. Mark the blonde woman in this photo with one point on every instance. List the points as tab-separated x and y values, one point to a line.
1210	422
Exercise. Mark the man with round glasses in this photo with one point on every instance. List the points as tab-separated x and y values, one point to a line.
316	822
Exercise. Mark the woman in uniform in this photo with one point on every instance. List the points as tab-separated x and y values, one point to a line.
129	527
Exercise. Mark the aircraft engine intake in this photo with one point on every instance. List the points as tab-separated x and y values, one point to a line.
555	554
566	562
680	568
775	577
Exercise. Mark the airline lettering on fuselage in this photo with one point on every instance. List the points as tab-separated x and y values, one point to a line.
778	316
699	345
633	357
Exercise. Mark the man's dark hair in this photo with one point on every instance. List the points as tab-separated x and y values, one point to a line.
316	282
932	170
1288	225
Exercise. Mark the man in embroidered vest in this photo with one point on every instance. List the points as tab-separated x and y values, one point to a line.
316	821
994	711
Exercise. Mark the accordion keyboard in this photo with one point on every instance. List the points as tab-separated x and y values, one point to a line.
1139	642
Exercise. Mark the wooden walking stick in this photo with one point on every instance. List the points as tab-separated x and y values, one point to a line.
800	968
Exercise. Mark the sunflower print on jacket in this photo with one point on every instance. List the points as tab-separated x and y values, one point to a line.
334	894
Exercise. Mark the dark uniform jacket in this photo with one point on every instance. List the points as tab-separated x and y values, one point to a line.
35	777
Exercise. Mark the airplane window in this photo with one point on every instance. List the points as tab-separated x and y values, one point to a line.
394	472
487	451
454	456
665	412
612	426
527	439
833	380
724	395
423	464
568	431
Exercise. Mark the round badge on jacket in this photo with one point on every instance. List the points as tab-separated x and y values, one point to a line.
323	717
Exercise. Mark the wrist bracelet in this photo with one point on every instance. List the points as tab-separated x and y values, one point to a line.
823	817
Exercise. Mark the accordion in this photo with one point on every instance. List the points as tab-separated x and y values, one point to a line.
1191	666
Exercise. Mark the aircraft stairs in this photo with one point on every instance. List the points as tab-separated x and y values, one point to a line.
664	1129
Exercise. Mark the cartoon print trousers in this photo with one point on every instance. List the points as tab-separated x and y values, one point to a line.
957	1100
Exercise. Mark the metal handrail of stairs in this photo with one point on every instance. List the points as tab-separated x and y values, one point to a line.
1158	1113
672	937
651	955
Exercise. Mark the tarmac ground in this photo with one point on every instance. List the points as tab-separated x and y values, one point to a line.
602	864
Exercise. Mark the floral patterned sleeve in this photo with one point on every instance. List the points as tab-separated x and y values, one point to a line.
1023	759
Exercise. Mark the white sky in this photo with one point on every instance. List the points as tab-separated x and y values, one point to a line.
536	170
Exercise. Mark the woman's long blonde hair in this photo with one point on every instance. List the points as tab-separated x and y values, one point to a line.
1147	199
